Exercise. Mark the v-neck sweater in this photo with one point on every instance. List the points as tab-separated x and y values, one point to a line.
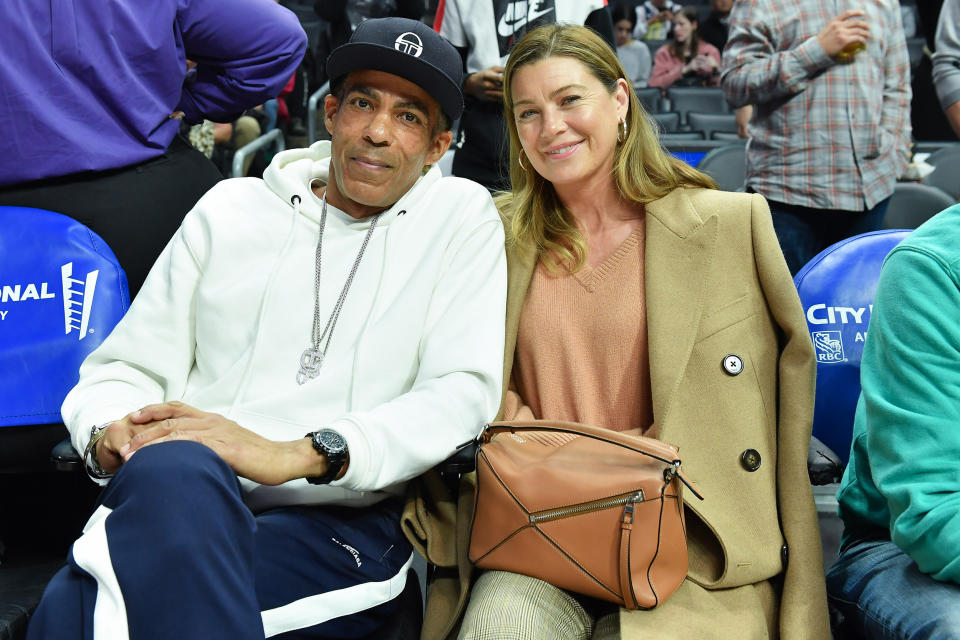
582	353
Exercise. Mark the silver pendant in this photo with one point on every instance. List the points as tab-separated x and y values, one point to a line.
310	361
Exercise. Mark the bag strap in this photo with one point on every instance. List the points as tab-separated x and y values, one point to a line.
657	449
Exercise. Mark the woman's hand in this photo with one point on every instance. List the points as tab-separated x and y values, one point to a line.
705	65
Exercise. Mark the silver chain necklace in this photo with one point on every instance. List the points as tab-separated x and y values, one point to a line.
312	357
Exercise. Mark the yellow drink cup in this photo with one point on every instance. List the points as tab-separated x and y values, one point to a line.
848	52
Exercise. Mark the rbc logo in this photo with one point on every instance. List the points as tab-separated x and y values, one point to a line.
828	345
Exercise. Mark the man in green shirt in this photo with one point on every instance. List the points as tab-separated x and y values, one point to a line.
898	573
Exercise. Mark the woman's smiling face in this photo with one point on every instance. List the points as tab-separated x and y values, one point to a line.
567	120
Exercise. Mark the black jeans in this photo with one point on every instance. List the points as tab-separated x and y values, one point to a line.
135	209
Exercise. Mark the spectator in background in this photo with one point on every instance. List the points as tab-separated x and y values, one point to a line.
655	20
717	25
343	16
686	60
927	118
830	132
90	122
898	573
946	62
634	55
484	31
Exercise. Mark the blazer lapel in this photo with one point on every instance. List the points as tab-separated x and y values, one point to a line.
680	247
520	267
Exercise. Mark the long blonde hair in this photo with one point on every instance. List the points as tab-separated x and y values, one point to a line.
535	217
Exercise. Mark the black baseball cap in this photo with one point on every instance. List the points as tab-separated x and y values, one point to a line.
406	48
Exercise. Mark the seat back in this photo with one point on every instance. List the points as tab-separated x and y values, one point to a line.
727	165
946	172
913	204
673	137
700	99
654	46
836	289
650	98
726	136
61	293
668	121
712	122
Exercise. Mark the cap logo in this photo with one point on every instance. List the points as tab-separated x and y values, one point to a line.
409	42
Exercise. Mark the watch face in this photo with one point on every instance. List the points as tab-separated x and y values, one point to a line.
332	441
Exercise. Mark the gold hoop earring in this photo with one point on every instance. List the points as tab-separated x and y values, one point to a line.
520	161
622	137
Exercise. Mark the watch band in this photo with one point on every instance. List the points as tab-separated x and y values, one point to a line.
90	462
330	444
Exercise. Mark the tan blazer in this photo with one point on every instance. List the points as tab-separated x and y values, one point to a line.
716	286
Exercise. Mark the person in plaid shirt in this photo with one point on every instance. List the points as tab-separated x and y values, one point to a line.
830	132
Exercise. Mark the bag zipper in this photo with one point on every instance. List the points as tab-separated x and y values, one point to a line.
586	507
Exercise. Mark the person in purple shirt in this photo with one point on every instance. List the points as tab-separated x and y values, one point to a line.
91	98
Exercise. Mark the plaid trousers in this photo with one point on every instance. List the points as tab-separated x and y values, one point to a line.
512	606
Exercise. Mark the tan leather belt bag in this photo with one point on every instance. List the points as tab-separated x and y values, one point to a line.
586	509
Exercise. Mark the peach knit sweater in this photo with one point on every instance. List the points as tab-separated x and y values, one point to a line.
582	352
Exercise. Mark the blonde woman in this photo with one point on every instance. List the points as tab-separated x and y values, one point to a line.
642	299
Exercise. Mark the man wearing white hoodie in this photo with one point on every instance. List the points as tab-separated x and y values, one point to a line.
353	295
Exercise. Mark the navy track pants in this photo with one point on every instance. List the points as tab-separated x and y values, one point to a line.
172	552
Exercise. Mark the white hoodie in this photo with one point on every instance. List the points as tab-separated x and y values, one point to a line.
414	366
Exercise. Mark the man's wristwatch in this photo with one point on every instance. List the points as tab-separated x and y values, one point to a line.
331	444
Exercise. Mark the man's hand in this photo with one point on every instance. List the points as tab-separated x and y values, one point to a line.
663	16
742	118
109	445
486	84
844	31
251	456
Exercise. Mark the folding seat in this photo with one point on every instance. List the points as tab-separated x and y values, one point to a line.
727	165
913	204
946	172
668	122
651	98
836	290
699	99
709	123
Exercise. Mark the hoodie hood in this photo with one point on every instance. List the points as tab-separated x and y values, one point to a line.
291	173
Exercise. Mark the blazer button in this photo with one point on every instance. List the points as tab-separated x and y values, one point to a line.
750	459
732	364
784	554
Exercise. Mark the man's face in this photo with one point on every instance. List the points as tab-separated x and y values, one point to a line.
722	7
382	135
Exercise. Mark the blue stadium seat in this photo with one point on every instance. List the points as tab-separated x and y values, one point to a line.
836	288
62	292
